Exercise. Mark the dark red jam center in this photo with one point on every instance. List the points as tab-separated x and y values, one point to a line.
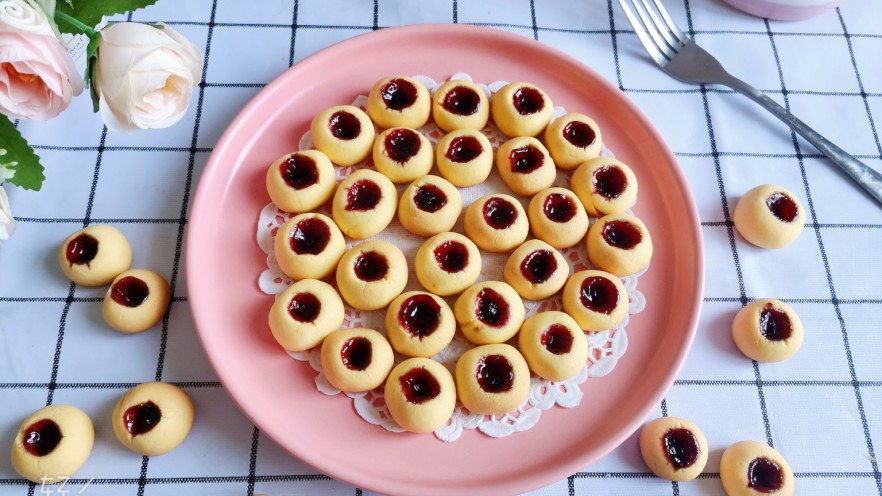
538	266
559	208
402	144
499	213
621	234
304	307
495	374
398	94
371	266
782	206
463	149
419	315
310	236
356	353
299	171
461	101
527	100
429	198
129	291
41	437
363	195
419	385
142	418
525	159
681	448
491	308
451	256
344	125
764	475
579	134
82	249
557	339
774	323
599	294
610	181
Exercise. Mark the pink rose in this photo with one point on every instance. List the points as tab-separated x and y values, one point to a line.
37	75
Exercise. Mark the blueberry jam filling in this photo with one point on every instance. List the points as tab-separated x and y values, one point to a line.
82	250
538	266
495	374
356	353
557	339
398	94
299	172
681	448
41	437
129	291
419	385
142	418
599	294
310	237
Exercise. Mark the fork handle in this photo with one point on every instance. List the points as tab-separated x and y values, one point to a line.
866	177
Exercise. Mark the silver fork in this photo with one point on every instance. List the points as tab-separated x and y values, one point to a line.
682	58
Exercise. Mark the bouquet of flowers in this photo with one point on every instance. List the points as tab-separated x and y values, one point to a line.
139	76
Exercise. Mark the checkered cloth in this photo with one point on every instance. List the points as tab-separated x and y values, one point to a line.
822	409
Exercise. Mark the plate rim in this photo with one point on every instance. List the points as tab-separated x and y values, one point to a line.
327	467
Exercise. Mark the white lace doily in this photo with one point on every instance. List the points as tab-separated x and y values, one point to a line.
606	347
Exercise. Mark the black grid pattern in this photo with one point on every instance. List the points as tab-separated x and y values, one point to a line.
820	282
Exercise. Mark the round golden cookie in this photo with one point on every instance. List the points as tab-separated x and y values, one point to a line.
430	205
750	468
364	204
769	216
420	395
767	330
371	274
460	105
673	448
557	217
308	246
619	244
136	301
301	181
344	133
553	345
489	312
447	263
153	418
525	165
605	186
464	157
596	300
419	324
95	255
521	109
536	270
52	443
492	379
399	101
403	154
304	314
356	360
572	139
496	223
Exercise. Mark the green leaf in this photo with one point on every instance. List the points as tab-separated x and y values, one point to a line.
90	12
91	60
18	156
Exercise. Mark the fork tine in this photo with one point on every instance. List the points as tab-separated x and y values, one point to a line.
660	42
681	36
665	32
650	46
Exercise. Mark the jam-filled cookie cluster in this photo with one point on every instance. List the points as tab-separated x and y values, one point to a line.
493	377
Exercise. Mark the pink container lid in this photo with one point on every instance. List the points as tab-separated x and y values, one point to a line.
784	10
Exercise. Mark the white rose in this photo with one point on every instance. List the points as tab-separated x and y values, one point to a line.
7	221
144	75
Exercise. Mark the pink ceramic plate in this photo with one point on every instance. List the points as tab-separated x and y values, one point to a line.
279	395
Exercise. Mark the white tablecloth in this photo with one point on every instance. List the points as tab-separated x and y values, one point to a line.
822	409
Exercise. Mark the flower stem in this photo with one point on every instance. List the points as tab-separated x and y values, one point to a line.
76	23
